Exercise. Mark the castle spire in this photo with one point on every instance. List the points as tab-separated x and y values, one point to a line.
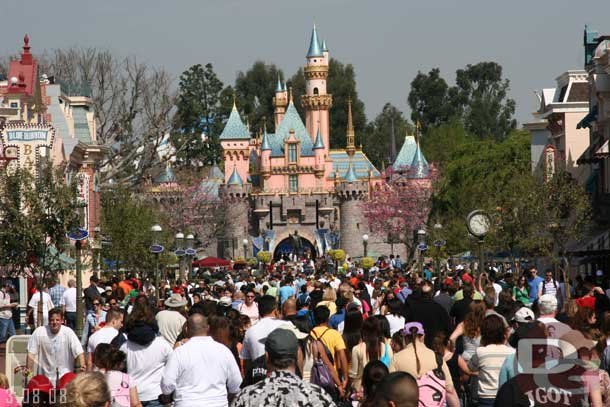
351	147
278	87
290	95
314	44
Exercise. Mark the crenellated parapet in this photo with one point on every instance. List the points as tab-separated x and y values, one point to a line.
316	72
235	192
317	102
352	190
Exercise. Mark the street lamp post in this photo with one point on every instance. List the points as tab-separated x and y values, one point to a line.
79	291
438	244
190	240
245	243
180	250
421	237
156	230
365	243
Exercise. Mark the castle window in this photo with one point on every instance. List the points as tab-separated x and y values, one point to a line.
292	153
293	183
14	105
315	91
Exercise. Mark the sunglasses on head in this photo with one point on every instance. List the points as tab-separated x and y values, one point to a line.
96	303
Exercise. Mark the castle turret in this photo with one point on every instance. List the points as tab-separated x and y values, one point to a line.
316	102
320	153
235	194
280	101
235	142
352	191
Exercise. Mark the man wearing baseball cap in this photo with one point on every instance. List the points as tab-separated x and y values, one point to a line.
282	387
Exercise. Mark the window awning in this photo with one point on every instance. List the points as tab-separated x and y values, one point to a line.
586	121
587	156
603	151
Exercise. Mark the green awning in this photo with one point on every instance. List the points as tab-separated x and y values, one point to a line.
586	121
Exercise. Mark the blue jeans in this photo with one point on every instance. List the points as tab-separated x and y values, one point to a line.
489	402
7	329
71	320
152	403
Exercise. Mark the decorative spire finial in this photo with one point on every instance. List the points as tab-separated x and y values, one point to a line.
265	124
26	44
234	105
290	94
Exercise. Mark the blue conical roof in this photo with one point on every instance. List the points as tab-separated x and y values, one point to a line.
324	47
314	45
166	177
350	175
235	179
419	167
319	142
404	159
278	87
235	129
266	145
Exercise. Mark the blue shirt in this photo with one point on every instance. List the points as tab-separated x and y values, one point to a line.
286	292
427	275
56	292
534	284
336	319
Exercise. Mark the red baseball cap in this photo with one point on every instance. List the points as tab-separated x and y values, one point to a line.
40	383
467	277
65	380
448	281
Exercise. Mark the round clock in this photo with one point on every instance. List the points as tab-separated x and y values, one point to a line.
478	223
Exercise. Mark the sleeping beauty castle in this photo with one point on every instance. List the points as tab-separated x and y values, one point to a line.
292	193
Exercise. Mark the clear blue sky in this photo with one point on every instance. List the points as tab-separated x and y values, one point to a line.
387	41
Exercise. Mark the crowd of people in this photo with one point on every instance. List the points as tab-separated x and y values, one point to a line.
291	337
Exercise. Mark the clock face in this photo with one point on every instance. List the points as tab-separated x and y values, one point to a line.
479	224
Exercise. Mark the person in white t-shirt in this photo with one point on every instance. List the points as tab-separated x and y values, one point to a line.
114	322
181	375
68	304
52	349
253	348
47	305
147	352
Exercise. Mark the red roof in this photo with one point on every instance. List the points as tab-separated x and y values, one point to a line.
24	70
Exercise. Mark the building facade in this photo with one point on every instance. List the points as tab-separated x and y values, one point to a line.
41	119
556	139
291	191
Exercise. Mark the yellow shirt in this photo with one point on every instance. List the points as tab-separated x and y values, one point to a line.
331	338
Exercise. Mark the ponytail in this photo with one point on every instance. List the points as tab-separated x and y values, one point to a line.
413	334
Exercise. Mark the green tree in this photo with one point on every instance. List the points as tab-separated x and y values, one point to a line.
441	142
377	138
126	223
199	117
255	90
341	84
483	95
36	212
430	100
477	175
